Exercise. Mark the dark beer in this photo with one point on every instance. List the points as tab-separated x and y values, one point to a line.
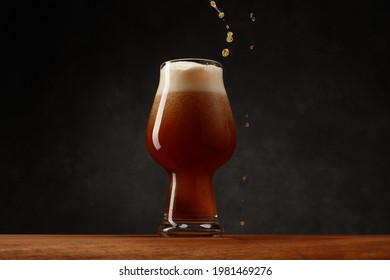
191	133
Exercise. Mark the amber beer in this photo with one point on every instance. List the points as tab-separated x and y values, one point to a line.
191	133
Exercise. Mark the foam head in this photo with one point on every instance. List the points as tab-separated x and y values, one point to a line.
184	76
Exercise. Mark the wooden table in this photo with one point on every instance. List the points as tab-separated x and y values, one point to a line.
141	247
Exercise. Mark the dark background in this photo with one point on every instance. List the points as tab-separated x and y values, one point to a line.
78	82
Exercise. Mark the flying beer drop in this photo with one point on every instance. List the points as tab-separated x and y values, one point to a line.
229	37
252	17
225	52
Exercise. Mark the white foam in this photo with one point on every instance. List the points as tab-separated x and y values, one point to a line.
191	76
185	76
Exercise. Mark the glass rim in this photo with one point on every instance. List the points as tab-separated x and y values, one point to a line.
204	61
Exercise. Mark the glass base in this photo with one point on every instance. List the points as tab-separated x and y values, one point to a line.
186	229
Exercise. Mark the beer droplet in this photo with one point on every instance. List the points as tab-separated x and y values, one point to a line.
252	17
225	52
252	47
244	178
242	223
247	124
220	13
229	37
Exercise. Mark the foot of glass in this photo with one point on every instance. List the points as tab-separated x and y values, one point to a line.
190	230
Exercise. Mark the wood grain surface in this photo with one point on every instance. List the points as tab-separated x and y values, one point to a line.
272	247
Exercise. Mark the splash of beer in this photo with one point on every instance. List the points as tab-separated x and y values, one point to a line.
225	53
229	35
253	19
214	5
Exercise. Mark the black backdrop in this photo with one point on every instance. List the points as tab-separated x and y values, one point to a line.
79	79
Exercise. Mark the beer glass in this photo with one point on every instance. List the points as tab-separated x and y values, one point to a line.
191	133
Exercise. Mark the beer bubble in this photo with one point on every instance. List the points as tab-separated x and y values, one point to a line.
252	47
244	178
242	223
227	26
247	124
246	116
225	52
